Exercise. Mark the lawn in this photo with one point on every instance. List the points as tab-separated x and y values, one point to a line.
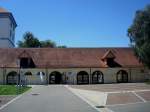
12	90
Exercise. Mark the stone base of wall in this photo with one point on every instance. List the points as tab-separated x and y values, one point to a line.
69	76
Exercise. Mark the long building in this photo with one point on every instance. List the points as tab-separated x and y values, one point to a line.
70	65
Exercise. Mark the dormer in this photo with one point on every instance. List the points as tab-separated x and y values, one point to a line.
26	60
108	58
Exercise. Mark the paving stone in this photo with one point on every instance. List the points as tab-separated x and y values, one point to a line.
145	95
121	98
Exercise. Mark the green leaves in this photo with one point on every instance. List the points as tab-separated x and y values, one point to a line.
30	41
47	43
139	34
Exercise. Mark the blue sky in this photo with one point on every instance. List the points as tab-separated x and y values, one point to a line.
76	23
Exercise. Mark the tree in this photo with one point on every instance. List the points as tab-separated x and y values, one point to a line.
48	43
139	34
62	46
29	41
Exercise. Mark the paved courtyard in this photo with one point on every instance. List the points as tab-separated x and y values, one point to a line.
127	97
114	87
51	98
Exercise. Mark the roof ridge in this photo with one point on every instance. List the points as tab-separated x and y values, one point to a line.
75	48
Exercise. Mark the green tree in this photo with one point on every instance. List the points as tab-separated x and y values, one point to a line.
62	46
139	34
29	41
48	43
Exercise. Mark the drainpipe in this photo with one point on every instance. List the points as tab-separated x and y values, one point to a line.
90	77
3	75
46	70
130	74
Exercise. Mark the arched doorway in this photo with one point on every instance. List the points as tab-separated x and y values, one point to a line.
55	78
82	77
12	78
97	77
28	74
122	76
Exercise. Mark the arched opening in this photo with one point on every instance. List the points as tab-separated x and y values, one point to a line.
41	73
82	77
55	78
97	77
28	74
27	77
122	76
12	78
41	76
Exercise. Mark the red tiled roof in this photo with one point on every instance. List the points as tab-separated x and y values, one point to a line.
67	57
2	10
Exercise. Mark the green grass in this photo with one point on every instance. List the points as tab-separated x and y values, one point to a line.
12	90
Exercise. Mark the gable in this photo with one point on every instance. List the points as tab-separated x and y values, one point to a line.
108	54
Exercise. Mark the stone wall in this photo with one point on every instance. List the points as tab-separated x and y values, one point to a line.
69	75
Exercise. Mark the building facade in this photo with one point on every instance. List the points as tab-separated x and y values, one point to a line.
70	66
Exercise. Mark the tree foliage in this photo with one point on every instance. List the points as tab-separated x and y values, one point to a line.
139	34
48	43
30	41
63	46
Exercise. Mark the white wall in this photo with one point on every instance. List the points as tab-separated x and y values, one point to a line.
6	31
5	27
5	44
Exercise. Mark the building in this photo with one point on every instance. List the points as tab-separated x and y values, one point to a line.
64	65
70	65
7	29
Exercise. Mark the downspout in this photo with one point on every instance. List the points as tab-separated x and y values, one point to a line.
46	71
90	77
130	74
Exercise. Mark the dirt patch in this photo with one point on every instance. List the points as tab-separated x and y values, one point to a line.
5	99
121	98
